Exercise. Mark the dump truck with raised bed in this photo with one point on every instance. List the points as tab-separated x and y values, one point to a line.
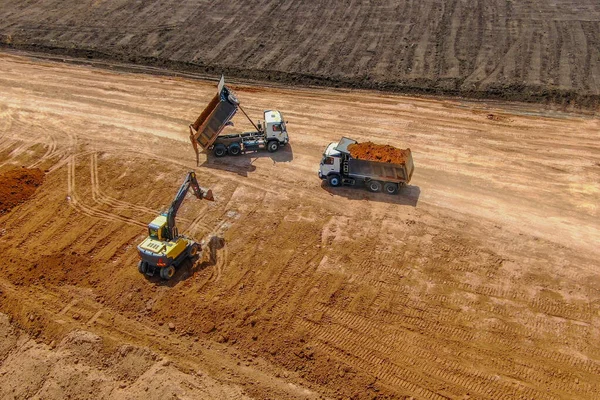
165	249
378	167
270	134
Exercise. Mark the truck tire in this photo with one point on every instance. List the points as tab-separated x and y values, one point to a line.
167	272
374	186
234	149
390	188
142	267
219	150
334	180
272	146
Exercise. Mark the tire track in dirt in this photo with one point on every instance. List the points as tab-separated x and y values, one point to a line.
87	210
103	199
387	339
83	311
331	342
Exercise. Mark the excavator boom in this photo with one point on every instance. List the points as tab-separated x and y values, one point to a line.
200	193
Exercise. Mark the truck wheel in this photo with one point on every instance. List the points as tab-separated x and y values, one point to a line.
390	188
142	267
220	150
374	186
272	146
167	273
334	180
234	149
194	249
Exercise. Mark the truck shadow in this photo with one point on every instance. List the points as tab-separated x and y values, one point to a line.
244	163
407	195
190	267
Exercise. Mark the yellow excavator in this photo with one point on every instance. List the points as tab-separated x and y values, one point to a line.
165	249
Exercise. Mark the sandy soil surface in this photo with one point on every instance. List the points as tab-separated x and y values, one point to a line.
530	50
479	280
17	185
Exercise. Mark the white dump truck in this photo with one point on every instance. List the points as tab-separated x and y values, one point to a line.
271	133
338	168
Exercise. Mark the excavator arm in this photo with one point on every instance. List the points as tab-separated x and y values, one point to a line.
200	193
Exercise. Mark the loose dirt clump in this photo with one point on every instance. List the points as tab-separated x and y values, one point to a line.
18	185
378	152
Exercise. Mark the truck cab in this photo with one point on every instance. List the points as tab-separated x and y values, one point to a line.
331	161
274	126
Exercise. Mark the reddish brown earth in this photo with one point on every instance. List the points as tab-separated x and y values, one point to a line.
535	50
478	280
17	185
379	152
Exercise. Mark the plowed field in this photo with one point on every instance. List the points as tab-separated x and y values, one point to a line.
478	280
528	50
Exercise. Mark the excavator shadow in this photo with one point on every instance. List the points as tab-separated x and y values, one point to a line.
407	195
244	163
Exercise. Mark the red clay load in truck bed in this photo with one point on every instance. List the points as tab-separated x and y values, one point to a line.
378	152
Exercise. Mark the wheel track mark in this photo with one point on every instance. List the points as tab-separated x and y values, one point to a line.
90	211
50	151
101	198
17	151
368	362
68	307
94	318
365	327
563	310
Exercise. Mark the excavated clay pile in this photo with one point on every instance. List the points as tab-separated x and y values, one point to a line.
378	152
18	185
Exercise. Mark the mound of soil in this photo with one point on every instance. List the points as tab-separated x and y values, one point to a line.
18	185
378	152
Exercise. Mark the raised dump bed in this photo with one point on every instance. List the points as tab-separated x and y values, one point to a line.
217	114
270	134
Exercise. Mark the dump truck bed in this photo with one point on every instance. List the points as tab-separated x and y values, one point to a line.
377	170
215	116
381	171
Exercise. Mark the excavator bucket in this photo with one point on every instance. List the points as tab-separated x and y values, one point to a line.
207	194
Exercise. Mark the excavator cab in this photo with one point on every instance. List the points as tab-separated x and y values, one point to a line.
157	228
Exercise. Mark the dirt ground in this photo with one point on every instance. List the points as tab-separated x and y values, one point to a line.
535	50
479	280
17	185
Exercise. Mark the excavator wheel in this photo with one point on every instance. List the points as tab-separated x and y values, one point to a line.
194	249
167	273
142	267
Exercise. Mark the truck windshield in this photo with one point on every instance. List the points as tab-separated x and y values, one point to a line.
283	124
153	233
